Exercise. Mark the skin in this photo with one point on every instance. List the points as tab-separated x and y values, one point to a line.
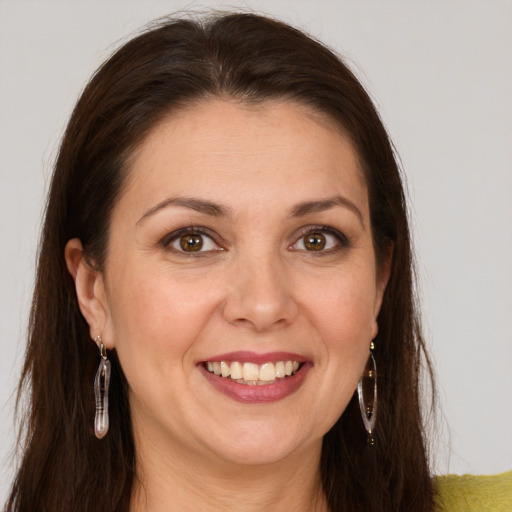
255	286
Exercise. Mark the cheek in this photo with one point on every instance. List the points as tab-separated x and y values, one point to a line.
342	312
155	319
343	308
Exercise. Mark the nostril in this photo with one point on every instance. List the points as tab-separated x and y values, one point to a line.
258	316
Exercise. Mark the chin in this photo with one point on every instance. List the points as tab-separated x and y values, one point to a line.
258	443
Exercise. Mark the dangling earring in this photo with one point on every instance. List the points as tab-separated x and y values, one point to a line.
368	404
101	383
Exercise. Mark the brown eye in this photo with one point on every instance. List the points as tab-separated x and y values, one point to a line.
315	241
321	240
191	242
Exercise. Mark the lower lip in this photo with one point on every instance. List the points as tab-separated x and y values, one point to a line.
256	394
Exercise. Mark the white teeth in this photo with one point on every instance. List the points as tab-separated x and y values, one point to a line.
236	370
251	373
267	372
224	369
280	370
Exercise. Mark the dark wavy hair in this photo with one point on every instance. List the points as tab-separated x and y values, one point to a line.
245	58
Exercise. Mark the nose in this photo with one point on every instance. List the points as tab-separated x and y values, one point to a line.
260	295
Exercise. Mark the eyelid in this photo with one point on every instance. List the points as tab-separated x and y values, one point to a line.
344	241
168	239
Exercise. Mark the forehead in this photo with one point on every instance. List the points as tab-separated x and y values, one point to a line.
220	146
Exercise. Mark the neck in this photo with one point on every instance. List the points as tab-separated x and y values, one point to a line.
168	479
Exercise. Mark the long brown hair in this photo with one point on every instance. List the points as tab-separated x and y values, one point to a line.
246	58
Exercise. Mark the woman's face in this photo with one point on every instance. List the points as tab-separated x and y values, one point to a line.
241	244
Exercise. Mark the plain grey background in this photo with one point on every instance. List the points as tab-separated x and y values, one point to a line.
441	75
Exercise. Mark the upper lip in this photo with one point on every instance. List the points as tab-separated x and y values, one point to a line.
253	357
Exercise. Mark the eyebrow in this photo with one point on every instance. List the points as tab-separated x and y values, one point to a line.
308	207
217	210
199	205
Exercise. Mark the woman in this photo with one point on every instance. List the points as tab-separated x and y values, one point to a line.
226	222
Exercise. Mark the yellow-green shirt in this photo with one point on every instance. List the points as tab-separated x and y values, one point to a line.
470	493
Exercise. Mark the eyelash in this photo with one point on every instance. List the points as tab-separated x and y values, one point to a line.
307	230
189	230
343	240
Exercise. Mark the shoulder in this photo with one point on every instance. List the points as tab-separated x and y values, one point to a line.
474	493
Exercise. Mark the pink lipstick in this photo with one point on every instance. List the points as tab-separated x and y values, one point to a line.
249	377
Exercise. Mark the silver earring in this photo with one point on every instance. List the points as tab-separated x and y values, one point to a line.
367	393
101	383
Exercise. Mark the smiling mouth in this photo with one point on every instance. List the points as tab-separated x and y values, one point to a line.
252	374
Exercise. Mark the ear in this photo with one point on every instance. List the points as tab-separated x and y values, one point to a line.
383	273
90	290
